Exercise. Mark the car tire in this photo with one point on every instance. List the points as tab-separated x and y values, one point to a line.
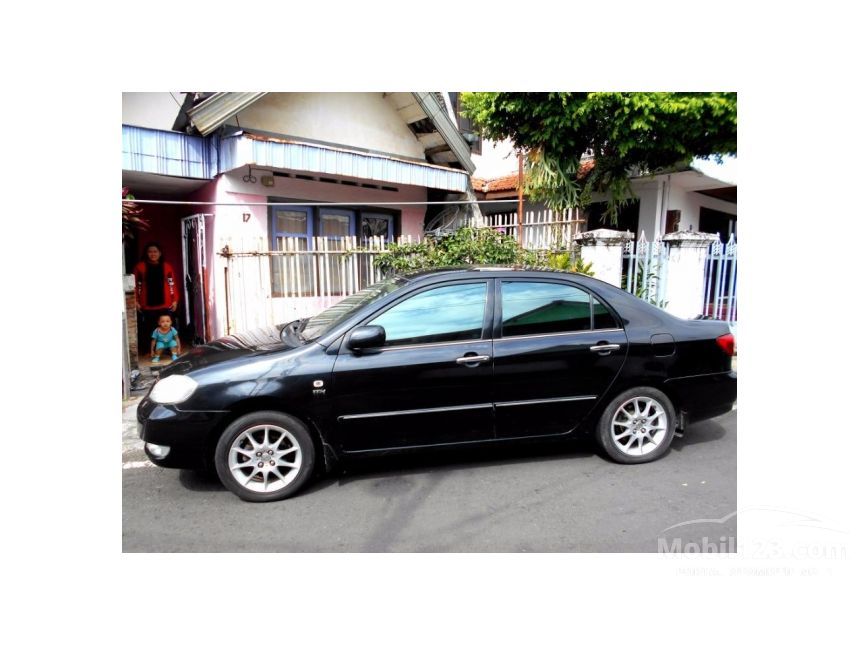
637	426
265	456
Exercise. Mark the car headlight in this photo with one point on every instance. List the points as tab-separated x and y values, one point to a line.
173	389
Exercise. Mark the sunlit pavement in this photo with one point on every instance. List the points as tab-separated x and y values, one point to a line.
560	497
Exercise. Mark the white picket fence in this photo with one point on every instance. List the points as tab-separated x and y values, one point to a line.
301	278
541	229
306	275
721	281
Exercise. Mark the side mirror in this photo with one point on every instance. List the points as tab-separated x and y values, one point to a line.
367	337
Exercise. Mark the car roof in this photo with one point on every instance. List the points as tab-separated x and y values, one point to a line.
487	270
605	289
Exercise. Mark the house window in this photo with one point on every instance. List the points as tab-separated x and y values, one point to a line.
377	225
292	231
300	265
336	223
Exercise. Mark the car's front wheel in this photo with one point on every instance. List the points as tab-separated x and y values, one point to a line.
637	426
265	456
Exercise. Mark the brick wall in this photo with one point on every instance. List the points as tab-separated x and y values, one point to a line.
131	323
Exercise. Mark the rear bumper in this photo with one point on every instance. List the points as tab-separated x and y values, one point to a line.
186	433
704	396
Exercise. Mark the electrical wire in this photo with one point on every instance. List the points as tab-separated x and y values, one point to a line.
321	204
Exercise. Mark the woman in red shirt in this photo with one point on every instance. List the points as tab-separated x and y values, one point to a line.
157	288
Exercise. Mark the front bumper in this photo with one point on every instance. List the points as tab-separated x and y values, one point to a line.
187	433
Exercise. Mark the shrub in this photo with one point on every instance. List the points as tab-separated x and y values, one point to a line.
465	246
469	246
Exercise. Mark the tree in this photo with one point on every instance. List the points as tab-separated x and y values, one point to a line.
580	143
131	217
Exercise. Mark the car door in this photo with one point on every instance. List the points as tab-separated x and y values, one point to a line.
421	388
550	370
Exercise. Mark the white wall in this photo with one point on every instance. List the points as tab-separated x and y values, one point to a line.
156	110
497	159
653	192
690	203
650	213
358	119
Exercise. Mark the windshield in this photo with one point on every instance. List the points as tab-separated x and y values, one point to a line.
334	315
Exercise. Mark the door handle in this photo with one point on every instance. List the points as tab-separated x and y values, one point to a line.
465	360
604	348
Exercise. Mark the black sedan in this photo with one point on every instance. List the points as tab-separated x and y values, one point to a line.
438	359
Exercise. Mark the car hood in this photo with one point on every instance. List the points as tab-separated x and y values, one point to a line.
255	342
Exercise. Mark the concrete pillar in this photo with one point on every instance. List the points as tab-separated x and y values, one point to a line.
651	209
604	249
685	273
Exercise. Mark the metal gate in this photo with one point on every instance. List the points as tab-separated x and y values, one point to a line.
643	270
720	301
194	270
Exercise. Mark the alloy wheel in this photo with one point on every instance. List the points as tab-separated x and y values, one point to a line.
639	426
265	458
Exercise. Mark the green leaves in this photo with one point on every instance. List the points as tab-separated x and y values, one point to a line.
620	131
131	217
470	246
463	247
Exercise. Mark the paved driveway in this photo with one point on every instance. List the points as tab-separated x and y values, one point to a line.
537	498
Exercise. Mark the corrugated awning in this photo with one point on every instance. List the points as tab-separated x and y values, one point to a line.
248	149
174	154
208	115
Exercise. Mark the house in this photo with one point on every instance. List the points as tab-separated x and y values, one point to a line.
683	199
246	180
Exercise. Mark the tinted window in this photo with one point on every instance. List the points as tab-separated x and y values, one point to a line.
543	308
443	314
334	315
603	318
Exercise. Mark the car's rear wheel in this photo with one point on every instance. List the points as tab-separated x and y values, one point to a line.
265	456
637	426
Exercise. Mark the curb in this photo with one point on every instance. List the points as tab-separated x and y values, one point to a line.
132	446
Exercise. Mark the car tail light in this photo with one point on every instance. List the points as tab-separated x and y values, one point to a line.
727	344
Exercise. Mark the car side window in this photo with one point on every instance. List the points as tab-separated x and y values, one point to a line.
603	318
548	308
444	314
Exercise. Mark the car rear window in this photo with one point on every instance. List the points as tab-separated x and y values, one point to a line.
530	308
603	318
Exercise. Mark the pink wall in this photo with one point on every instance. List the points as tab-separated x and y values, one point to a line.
228	224
232	188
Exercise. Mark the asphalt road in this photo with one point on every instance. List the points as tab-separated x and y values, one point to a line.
558	497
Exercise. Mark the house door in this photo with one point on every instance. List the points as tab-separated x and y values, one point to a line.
194	270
